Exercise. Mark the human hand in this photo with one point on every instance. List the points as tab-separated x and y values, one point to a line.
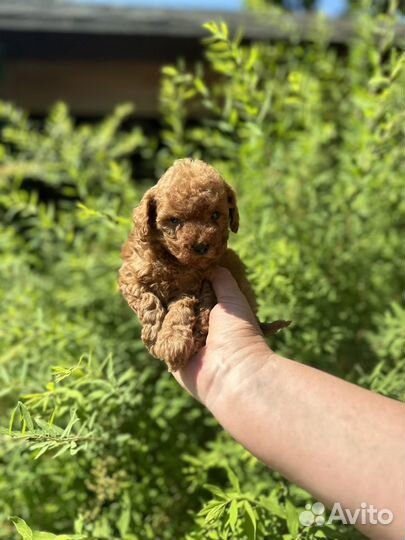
234	350
340	442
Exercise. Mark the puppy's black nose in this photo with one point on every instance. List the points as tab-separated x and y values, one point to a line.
201	249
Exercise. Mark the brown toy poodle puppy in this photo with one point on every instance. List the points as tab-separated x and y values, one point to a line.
181	232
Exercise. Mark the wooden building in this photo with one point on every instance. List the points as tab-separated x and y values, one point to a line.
95	57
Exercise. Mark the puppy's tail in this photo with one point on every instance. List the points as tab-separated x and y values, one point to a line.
270	329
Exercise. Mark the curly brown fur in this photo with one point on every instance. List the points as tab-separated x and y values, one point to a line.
181	229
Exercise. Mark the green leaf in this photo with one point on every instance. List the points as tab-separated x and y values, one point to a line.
169	71
215	512
26	416
44	448
233	514
64	448
124	520
50	536
216	491
249	521
273	505
12	418
320	534
72	421
292	518
211	27
22	528
233	479
200	86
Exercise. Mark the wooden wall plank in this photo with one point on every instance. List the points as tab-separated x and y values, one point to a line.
89	87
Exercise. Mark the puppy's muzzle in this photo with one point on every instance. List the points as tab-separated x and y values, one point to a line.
200	249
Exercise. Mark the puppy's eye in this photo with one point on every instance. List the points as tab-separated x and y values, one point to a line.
215	216
174	221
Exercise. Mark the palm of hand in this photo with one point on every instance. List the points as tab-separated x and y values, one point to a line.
234	344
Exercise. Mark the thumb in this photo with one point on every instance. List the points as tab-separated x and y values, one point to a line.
225	287
230	296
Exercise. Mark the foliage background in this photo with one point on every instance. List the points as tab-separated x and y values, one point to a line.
97	439
376	6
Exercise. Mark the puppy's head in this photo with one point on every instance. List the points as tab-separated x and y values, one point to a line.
189	213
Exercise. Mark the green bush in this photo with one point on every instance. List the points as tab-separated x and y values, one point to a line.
98	441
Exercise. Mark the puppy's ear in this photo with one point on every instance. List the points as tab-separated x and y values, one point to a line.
144	215
233	209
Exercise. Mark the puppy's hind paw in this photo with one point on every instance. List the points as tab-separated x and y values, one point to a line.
175	351
270	329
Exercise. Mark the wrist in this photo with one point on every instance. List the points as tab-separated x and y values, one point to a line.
249	406
234	378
